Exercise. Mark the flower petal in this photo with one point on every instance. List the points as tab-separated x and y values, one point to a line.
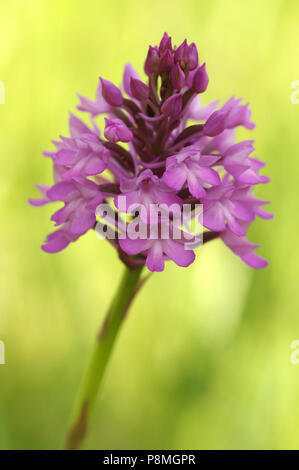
83	220
175	177
56	241
155	258
213	217
177	253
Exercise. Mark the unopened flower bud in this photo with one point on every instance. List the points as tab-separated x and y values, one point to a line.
200	79
139	90
111	93
215	124
151	61
129	72
181	54
192	62
173	105
116	130
177	77
166	62
165	44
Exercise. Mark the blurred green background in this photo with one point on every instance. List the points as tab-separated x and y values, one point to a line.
203	361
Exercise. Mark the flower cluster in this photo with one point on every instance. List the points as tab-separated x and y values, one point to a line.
159	146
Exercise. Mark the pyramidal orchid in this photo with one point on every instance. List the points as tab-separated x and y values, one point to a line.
159	146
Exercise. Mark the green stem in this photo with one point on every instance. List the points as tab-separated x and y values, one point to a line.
100	357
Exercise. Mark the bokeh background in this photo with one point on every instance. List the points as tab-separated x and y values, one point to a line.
203	360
